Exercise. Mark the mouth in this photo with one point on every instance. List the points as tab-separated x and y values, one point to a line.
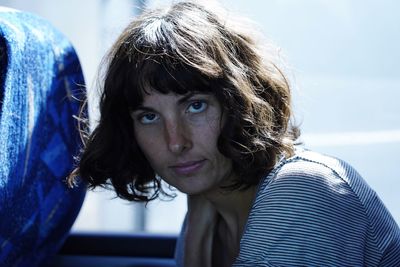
189	167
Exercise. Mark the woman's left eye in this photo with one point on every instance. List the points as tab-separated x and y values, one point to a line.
197	106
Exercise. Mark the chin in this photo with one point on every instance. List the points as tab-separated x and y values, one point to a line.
195	190
191	191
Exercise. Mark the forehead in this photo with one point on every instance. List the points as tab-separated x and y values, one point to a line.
157	101
152	77
156	98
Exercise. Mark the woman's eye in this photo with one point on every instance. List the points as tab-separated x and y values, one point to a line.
148	118
197	107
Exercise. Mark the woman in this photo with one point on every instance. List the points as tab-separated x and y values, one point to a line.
192	100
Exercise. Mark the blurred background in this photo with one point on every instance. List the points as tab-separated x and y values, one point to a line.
344	62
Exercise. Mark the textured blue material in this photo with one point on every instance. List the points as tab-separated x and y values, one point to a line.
315	210
39	77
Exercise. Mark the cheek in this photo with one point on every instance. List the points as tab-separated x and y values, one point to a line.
147	144
210	140
210	135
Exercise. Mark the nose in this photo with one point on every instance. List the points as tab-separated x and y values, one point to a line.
177	137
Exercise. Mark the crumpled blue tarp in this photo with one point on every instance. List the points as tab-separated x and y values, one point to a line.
40	79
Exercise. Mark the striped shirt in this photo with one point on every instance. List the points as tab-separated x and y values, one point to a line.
315	210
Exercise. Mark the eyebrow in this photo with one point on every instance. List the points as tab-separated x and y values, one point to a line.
142	108
184	98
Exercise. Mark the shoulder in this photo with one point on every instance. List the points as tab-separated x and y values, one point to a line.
316	208
314	179
311	187
317	167
306	208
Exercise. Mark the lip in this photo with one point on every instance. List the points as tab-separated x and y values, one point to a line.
188	167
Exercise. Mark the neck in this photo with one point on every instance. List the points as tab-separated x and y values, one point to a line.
233	208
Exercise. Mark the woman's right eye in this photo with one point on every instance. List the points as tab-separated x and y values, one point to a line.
148	118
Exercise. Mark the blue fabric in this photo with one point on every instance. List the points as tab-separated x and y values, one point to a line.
40	80
315	210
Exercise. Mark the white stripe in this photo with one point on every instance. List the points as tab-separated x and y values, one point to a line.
351	138
31	121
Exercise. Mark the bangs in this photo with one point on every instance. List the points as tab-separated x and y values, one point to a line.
164	77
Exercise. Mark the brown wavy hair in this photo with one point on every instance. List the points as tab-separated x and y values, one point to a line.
182	48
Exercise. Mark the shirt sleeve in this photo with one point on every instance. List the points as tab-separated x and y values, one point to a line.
309	215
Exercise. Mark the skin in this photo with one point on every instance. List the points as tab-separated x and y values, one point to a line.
178	135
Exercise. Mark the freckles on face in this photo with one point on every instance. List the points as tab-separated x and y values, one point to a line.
178	135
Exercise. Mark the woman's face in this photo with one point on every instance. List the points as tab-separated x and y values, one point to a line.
178	135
